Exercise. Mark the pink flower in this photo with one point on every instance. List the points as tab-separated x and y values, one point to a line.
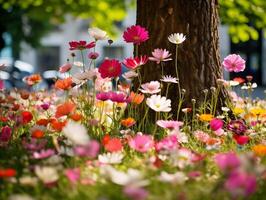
241	139
241	184
89	150
201	136
65	68
2	85
136	34
216	124
234	63
135	193
73	175
118	97
133	63
227	161
93	55
167	143
45	106
110	68
43	154
80	45
103	96
152	87
160	55
169	124
6	133
141	143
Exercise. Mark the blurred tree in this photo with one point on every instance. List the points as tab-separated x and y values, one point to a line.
30	20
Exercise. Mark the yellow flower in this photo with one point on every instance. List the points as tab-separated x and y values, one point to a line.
257	111
205	117
260	150
238	111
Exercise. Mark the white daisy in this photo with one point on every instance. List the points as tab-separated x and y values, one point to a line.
177	38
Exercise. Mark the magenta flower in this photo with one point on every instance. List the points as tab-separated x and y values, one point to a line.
2	85
45	106
227	161
135	193
89	150
73	175
241	184
118	97
169	124
234	63
93	55
43	154
216	124
80	45
168	143
134	63
65	68
110	68
141	143
237	127
6	133
103	96
136	34
160	55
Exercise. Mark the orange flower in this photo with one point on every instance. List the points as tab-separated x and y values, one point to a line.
205	117
136	98
239	80
260	150
37	133
76	116
64	84
33	79
128	122
42	122
57	125
65	109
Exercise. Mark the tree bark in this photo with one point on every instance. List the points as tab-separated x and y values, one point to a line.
199	62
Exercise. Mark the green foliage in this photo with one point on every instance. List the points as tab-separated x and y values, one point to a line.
244	17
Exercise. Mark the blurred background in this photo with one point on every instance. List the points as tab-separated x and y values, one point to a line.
34	34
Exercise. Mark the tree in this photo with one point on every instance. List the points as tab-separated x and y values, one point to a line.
199	63
29	20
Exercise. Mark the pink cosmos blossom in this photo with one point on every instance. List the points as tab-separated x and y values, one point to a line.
160	55
169	124
93	55
234	63
2	85
135	193
65	68
136	34
134	63
118	97
43	154
34	144
201	136
89	150
6	133
110	68
241	184
216	124
73	175
227	161
168	143
80	45
152	87
141	143
103	96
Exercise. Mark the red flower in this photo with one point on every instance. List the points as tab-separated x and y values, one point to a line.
136	34
6	173
5	134
26	117
133	63
114	144
239	80
80	45
241	139
110	68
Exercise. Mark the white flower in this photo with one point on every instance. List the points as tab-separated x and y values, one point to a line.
178	177
169	79
76	132
46	174
181	136
177	38
111	158
132	177
159	104
28	180
97	34
20	197
225	109
130	75
152	87
233	83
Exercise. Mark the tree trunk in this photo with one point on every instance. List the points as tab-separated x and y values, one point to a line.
199	62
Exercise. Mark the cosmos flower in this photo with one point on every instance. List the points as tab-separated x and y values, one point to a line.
159	103
216	124
111	158
135	98
110	68
169	79
64	84
65	68
152	87
227	161
97	34
160	55
136	34
169	124
65	109
177	38
43	154
134	63
33	79
237	126
93	55
135	193
177	177
6	133
47	174
141	143
130	75
80	45
73	175
234	63
90	149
